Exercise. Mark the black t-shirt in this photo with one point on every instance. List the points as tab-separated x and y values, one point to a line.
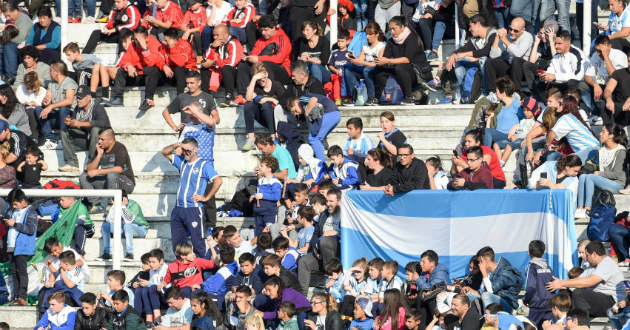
321	51
622	91
185	99
118	156
19	143
277	89
32	175
379	180
397	138
410	48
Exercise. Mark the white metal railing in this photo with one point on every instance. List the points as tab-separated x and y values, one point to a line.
587	26
64	27
116	193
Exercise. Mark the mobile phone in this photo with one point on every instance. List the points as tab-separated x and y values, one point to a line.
540	71
627	284
543	175
455	153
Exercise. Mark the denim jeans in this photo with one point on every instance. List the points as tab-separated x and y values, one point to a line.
130	230
329	122
439	30
492	135
75	8
583	154
319	72
489	298
206	37
548	8
353	73
462	66
239	33
361	13
503	17
588	183
620	318
620	236
524	9
55	119
10	59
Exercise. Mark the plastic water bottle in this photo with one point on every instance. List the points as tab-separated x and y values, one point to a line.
360	99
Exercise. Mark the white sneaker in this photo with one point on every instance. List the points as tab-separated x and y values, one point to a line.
625	191
580	213
90	20
70	168
50	145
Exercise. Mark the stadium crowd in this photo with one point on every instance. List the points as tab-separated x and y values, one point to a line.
534	92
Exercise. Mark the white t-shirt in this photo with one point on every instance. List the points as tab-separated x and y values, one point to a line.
76	276
157	276
612	279
56	264
597	67
25	97
178	318
371	52
221	14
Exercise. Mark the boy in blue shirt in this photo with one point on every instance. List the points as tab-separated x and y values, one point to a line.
268	194
59	316
289	254
334	271
218	284
342	171
357	144
338	59
303	242
362	315
22	230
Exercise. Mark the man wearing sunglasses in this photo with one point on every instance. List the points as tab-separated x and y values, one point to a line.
410	173
509	44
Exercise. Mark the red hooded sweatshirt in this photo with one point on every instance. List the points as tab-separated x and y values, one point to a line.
283	48
181	55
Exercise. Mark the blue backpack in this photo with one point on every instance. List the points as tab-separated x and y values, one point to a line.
392	93
602	217
468	86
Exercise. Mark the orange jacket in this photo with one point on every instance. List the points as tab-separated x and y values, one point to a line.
181	55
140	58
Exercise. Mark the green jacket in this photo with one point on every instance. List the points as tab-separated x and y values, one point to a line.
130	319
291	324
136	210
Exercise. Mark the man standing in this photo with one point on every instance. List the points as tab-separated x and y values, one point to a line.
110	168
410	173
83	125
596	291
10	56
468	318
195	173
183	100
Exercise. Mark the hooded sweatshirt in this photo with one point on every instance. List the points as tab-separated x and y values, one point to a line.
282	53
538	275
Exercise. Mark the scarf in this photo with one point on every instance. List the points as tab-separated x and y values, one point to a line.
402	36
85	116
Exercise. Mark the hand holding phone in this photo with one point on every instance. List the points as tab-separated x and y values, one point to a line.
543	175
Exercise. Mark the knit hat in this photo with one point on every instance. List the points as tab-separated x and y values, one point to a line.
531	104
366	304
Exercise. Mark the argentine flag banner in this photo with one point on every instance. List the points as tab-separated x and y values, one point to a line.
457	224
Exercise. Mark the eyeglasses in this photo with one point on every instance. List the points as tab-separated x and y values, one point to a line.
513	30
470	160
403	155
316	302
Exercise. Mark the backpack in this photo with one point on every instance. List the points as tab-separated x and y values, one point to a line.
61	184
392	93
471	88
602	216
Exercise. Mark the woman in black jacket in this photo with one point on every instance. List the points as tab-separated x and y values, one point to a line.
325	315
403	51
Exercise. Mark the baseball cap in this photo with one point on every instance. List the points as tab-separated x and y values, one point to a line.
83	91
4	125
366	304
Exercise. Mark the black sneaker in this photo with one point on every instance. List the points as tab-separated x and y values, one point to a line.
148	324
347	103
114	102
227	100
372	101
146	105
105	256
408	101
128	256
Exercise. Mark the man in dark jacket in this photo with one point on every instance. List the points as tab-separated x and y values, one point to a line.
124	317
468	317
501	281
88	118
538	274
476	176
301	83
410	173
89	316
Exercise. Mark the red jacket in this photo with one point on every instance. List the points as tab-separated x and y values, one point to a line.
246	15
187	274
126	18
195	20
482	179
181	55
229	54
140	59
283	50
172	13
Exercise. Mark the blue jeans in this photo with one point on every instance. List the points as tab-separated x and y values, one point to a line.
130	230
548	8
319	72
75	8
329	122
55	119
503	17
206	37
239	33
524	9
618	319
620	236
439	30
492	135
10	59
361	11
489	298
583	154
587	185
462	66
353	73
